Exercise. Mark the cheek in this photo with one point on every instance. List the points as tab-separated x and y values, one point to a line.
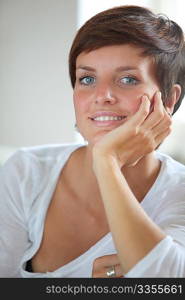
133	98
131	101
135	105
80	104
150	89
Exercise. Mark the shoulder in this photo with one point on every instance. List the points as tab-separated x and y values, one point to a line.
170	192
171	167
49	150
27	173
167	196
37	156
29	167
172	179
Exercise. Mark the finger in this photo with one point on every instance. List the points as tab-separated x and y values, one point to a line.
160	138
158	104
157	114
117	269
101	264
102	273
107	260
162	126
142	112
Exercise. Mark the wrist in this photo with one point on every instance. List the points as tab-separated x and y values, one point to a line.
103	163
106	158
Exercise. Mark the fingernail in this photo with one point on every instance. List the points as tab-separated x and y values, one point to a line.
159	94
144	98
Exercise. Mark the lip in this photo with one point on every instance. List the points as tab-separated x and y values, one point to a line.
105	113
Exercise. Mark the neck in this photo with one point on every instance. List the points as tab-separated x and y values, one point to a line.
148	166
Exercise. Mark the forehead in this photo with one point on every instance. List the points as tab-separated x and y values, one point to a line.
115	56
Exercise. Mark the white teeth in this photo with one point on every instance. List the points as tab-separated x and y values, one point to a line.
108	118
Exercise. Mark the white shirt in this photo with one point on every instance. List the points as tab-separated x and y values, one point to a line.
27	183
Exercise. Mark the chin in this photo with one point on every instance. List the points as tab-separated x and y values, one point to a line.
96	138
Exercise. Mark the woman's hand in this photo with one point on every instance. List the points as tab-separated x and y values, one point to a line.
138	136
105	264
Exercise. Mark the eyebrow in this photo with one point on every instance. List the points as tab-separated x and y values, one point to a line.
119	69
86	68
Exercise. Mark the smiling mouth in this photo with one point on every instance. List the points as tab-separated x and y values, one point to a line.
108	118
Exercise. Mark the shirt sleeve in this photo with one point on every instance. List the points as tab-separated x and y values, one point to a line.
167	258
13	228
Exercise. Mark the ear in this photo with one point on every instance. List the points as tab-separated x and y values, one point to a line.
173	99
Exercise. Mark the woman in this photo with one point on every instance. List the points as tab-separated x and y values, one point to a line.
111	207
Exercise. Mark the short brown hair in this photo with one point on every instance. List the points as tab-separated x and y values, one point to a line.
158	36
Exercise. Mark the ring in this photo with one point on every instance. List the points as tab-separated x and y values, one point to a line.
111	272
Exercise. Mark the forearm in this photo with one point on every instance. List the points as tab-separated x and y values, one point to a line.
134	233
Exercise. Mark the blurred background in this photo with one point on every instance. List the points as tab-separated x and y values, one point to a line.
35	93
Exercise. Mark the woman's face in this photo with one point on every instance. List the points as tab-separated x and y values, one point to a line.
109	84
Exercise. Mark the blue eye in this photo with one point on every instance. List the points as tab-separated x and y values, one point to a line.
87	80
129	80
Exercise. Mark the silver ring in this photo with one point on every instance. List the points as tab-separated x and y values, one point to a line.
111	272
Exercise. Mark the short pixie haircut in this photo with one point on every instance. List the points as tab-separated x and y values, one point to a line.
158	36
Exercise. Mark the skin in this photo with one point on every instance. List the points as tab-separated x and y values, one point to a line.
118	152
114	90
118	80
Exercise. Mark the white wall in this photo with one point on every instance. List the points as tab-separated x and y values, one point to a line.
87	9
175	11
35	93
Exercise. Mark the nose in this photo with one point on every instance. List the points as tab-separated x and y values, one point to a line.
105	95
